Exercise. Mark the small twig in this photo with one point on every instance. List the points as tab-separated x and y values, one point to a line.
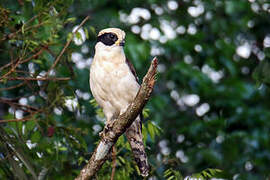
37	79
35	26
38	51
5	66
12	69
13	87
114	152
27	118
30	86
33	56
11	35
7	156
31	108
23	72
67	44
20	61
19	97
50	51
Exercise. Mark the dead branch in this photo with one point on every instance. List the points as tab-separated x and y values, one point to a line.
119	125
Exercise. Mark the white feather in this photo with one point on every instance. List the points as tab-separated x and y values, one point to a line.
111	81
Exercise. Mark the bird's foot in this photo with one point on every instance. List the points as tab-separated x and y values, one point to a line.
101	134
108	127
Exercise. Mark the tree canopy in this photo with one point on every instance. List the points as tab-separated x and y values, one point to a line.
208	115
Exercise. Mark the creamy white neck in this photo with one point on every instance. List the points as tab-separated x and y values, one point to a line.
113	53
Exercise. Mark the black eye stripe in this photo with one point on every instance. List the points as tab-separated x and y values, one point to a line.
107	38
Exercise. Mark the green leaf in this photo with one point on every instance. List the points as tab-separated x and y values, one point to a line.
93	103
93	30
81	159
69	36
70	20
146	112
78	35
151	130
35	136
145	133
62	148
23	28
262	72
30	125
86	33
121	159
38	61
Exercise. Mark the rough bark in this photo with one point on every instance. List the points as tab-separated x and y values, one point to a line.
116	128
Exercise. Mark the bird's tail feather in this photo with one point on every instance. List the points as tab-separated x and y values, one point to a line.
134	136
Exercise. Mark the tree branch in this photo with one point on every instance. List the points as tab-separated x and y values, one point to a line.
120	125
37	79
27	118
12	87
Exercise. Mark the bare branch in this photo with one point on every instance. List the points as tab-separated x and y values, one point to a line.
37	79
12	87
27	118
15	104
119	125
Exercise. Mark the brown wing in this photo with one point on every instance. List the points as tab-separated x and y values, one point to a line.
132	69
134	135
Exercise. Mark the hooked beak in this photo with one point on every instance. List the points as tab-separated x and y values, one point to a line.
122	43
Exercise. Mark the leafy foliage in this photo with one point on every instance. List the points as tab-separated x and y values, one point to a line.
170	174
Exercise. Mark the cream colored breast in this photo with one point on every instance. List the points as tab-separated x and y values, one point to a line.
114	82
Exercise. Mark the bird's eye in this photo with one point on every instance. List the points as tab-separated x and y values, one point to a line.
112	36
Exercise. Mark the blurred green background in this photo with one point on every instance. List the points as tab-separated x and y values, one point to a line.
209	113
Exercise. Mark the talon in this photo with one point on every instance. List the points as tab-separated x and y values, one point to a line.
101	134
108	126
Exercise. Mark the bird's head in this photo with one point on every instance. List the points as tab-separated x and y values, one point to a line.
110	38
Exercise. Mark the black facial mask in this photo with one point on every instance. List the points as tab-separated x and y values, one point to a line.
107	38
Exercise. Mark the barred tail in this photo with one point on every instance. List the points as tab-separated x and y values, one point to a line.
134	136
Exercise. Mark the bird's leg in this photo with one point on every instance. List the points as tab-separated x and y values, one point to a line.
135	138
109	123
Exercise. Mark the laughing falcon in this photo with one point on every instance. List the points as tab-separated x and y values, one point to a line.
114	85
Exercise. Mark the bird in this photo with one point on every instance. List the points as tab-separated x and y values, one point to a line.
114	85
